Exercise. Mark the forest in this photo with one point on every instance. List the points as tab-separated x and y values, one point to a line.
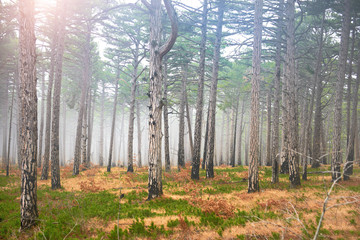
179	119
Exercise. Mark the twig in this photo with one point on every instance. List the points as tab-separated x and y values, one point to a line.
70	231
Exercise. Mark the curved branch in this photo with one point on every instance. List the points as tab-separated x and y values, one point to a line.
174	29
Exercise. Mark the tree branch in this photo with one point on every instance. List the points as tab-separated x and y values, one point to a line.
174	29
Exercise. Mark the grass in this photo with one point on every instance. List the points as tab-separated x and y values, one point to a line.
220	205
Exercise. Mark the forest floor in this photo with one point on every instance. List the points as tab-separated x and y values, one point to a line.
88	206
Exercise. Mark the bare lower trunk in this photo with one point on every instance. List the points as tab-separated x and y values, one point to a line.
213	90
41	132
348	168
28	115
221	160
101	142
336	148
200	98
138	133
10	128
268	136
113	124
241	130
84	136
253	183
233	150
166	121
90	128
188	118
5	109
181	151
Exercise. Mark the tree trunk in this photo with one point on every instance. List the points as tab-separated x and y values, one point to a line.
166	121
113	123
84	136
246	147
292	107
253	185
206	141
5	109
349	80
336	156
138	114
318	92
200	97
41	133
241	130
90	128
221	161
181	151
28	104
132	110
212	100
45	167
101	141
268	136
233	149
84	90
348	168
261	138
188	118
157	52
55	154
10	127
227	146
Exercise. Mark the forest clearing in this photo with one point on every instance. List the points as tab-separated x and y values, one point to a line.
88	207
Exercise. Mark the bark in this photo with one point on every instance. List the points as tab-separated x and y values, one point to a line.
349	80
206	141
318	92
221	161
5	109
90	128
246	148
84	136
28	108
212	100
42	110
84	89
157	52
292	107
253	184
233	150
227	146
200	97
55	154
10	128
45	167
344	42
63	162
277	94
132	110
188	118
181	150
138	114
241	130
166	121
113	123
305	133
348	168
268	136
101	141
261	138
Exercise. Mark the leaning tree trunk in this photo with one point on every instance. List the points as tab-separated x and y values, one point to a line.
336	148
166	121
84	90
113	123
157	52
318	93
348	168
188	118
55	154
292	107
181	150
28	108
195	169
212	101
253	185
